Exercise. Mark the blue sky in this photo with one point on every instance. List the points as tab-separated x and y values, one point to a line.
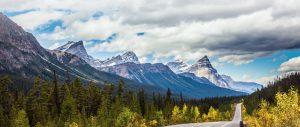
250	40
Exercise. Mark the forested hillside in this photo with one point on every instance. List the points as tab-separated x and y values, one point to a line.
54	104
277	105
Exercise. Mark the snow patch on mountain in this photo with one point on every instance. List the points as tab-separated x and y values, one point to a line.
178	66
203	69
247	87
77	48
127	57
196	78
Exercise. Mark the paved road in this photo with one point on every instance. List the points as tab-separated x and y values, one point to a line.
234	123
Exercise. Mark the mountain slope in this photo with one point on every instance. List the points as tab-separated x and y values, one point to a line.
248	87
160	75
78	49
120	59
203	69
21	56
157	75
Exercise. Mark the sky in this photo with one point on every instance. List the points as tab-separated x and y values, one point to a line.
250	40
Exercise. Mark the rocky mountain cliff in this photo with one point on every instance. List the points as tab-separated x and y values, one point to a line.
203	69
22	57
78	49
127	57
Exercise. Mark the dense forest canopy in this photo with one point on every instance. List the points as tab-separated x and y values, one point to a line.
73	103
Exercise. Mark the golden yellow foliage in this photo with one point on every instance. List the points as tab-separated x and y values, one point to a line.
176	115
285	113
153	123
73	124
212	115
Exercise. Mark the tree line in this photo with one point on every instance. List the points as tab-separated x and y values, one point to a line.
277	105
71	104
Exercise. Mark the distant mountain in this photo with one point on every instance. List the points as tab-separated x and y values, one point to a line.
78	49
120	59
248	87
22	57
203	69
177	66
161	75
158	75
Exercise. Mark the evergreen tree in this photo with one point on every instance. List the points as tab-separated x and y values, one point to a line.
93	99
118	104
79	94
34	106
142	100
181	100
5	99
68	108
105	115
133	102
168	105
54	98
3	118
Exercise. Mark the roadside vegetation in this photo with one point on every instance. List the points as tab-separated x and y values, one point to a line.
277	105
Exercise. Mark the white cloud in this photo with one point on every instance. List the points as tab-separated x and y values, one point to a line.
265	80
235	31
292	65
33	19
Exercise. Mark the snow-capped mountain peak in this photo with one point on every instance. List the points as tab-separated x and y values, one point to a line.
78	49
203	68
69	44
204	62
130	56
127	57
178	66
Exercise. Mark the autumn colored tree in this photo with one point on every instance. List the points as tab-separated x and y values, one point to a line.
21	119
177	116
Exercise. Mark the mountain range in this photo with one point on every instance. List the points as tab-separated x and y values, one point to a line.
21	56
166	76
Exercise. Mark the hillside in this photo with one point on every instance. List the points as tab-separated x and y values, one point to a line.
268	93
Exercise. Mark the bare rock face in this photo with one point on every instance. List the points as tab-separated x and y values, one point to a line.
18	47
68	58
16	36
203	68
127	57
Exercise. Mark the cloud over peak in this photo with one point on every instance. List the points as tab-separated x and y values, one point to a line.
233	30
